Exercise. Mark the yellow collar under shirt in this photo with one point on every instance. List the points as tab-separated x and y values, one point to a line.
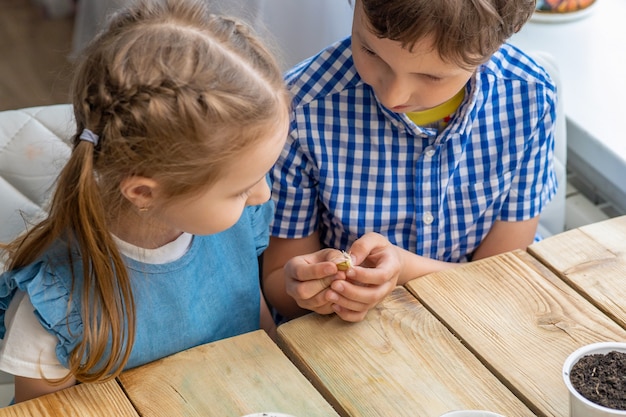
438	117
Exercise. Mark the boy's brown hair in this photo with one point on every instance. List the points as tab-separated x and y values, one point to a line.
465	32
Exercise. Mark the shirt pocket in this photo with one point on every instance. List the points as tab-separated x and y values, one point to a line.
477	202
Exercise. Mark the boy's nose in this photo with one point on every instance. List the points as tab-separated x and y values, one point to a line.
394	92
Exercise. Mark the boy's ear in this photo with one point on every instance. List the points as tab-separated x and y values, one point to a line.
140	191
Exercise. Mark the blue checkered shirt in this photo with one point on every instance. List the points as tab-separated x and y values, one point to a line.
351	166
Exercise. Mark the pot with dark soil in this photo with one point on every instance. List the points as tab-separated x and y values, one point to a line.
595	376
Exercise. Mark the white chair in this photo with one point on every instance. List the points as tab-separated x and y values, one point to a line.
34	145
552	219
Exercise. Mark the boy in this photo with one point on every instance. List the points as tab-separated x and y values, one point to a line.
421	141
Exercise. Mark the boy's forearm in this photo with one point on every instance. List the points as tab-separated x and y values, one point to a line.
266	322
277	297
278	253
503	237
416	266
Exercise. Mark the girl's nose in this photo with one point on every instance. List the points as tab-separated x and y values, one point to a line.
259	194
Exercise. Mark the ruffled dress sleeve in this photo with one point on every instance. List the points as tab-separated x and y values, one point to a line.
49	290
260	219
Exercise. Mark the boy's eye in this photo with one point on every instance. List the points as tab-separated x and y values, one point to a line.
368	51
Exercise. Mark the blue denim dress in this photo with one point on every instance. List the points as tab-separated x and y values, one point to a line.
210	293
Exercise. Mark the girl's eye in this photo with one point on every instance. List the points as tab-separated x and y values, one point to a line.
245	194
432	78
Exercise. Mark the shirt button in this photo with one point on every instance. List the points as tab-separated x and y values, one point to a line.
430	151
428	218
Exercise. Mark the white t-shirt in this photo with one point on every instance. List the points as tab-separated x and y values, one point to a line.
28	350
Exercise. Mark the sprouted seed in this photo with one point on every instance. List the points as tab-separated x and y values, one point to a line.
344	262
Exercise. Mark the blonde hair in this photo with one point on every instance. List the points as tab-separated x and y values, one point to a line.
174	93
465	32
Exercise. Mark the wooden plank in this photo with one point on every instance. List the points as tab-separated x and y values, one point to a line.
399	361
85	400
592	259
232	377
520	319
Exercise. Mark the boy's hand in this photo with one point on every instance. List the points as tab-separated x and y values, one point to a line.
376	275
308	278
315	282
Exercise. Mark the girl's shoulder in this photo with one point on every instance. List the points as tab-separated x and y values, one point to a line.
48	283
48	271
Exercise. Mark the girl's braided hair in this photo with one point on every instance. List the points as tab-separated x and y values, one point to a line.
174	93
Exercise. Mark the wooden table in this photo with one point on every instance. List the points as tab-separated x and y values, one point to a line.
491	334
86	400
230	378
242	375
592	259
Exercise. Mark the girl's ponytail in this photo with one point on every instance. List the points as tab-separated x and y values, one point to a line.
77	216
174	94
108	304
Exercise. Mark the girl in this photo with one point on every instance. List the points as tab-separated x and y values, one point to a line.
151	242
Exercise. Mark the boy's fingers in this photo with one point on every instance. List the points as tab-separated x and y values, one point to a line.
305	290
318	303
358	297
349	315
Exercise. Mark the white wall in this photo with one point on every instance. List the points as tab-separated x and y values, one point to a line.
298	28
302	28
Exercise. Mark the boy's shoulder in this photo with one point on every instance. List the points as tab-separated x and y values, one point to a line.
329	72
511	63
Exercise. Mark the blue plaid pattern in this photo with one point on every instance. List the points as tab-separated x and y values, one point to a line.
351	166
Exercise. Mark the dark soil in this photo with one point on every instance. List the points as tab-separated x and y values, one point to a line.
601	378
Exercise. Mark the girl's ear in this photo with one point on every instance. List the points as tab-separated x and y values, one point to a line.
140	191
